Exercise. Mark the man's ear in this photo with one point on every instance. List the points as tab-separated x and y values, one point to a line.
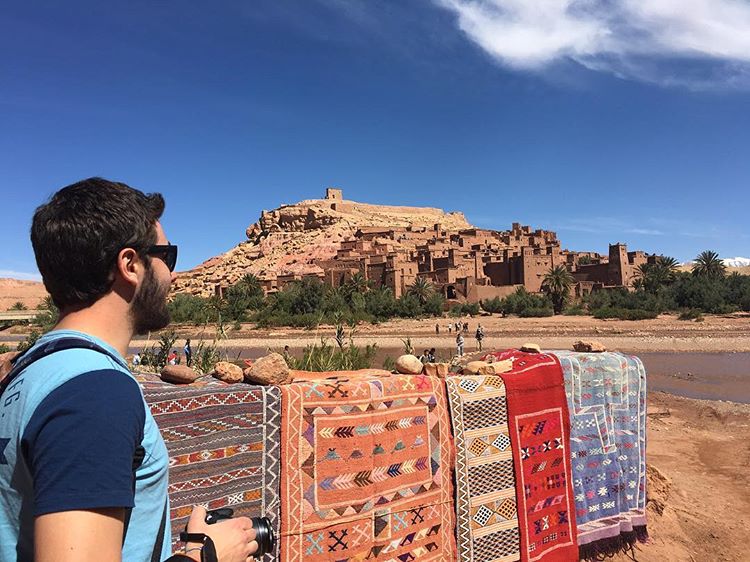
129	266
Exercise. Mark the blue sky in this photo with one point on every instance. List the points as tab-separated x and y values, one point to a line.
604	121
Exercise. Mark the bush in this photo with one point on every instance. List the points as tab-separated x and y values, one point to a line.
624	313
575	310
536	312
4	348
690	314
193	309
344	356
493	305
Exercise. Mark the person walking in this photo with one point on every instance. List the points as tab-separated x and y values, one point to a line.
437	329
188	351
459	344
83	467
479	336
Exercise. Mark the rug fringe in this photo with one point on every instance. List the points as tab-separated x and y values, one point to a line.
608	548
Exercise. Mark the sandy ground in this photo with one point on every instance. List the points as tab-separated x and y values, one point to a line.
699	486
666	333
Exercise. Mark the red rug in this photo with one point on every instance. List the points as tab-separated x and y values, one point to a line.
539	427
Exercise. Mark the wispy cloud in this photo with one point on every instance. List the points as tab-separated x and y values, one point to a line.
694	43
20	275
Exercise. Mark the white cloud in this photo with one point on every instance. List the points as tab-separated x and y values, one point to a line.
710	39
9	273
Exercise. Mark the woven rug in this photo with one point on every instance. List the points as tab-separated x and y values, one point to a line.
607	399
223	443
539	428
366	470
486	516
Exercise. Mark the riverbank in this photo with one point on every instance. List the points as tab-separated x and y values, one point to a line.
699	486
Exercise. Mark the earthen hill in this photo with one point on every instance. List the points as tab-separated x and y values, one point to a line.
332	239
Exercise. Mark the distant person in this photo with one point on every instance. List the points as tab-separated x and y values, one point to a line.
458	326
459	344
466	327
172	357
136	359
188	353
437	329
450	327
431	355
479	336
425	357
287	355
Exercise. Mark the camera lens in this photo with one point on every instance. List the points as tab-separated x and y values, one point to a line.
263	535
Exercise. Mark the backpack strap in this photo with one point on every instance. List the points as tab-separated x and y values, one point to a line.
22	361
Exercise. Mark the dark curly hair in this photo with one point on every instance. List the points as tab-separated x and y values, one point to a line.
79	232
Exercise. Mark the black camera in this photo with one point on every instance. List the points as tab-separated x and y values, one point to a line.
264	535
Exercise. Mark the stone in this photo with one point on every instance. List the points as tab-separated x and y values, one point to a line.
5	363
439	370
409	365
227	372
178	374
271	369
531	348
589	346
486	368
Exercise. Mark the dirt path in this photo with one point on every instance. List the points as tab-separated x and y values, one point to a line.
701	510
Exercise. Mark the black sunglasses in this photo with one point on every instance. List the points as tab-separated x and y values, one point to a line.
165	252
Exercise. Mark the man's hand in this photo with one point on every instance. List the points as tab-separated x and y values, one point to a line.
234	538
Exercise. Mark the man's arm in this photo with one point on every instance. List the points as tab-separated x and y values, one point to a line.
79	536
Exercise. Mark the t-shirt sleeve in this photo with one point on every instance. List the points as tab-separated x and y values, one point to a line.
80	442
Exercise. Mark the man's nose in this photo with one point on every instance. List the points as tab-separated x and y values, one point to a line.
173	276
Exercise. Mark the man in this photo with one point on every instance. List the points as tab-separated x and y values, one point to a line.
479	336
188	353
459	344
83	468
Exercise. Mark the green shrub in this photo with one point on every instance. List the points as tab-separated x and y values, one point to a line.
29	342
4	348
575	310
624	313
324	356
690	314
536	312
493	305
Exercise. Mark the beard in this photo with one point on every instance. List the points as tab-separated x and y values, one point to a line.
149	310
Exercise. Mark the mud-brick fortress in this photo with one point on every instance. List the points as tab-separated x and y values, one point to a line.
333	239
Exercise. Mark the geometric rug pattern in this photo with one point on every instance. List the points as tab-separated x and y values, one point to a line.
486	513
606	395
366	470
223	443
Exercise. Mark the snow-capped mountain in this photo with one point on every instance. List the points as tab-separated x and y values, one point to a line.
736	262
729	262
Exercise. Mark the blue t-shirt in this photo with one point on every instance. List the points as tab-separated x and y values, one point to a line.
70	424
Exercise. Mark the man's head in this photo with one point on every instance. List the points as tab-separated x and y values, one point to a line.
88	234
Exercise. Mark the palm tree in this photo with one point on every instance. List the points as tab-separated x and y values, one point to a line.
557	283
422	289
708	264
357	284
652	276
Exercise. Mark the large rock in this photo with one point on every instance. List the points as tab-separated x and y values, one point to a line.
5	363
487	368
589	346
409	365
531	348
179	374
440	370
227	372
271	369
